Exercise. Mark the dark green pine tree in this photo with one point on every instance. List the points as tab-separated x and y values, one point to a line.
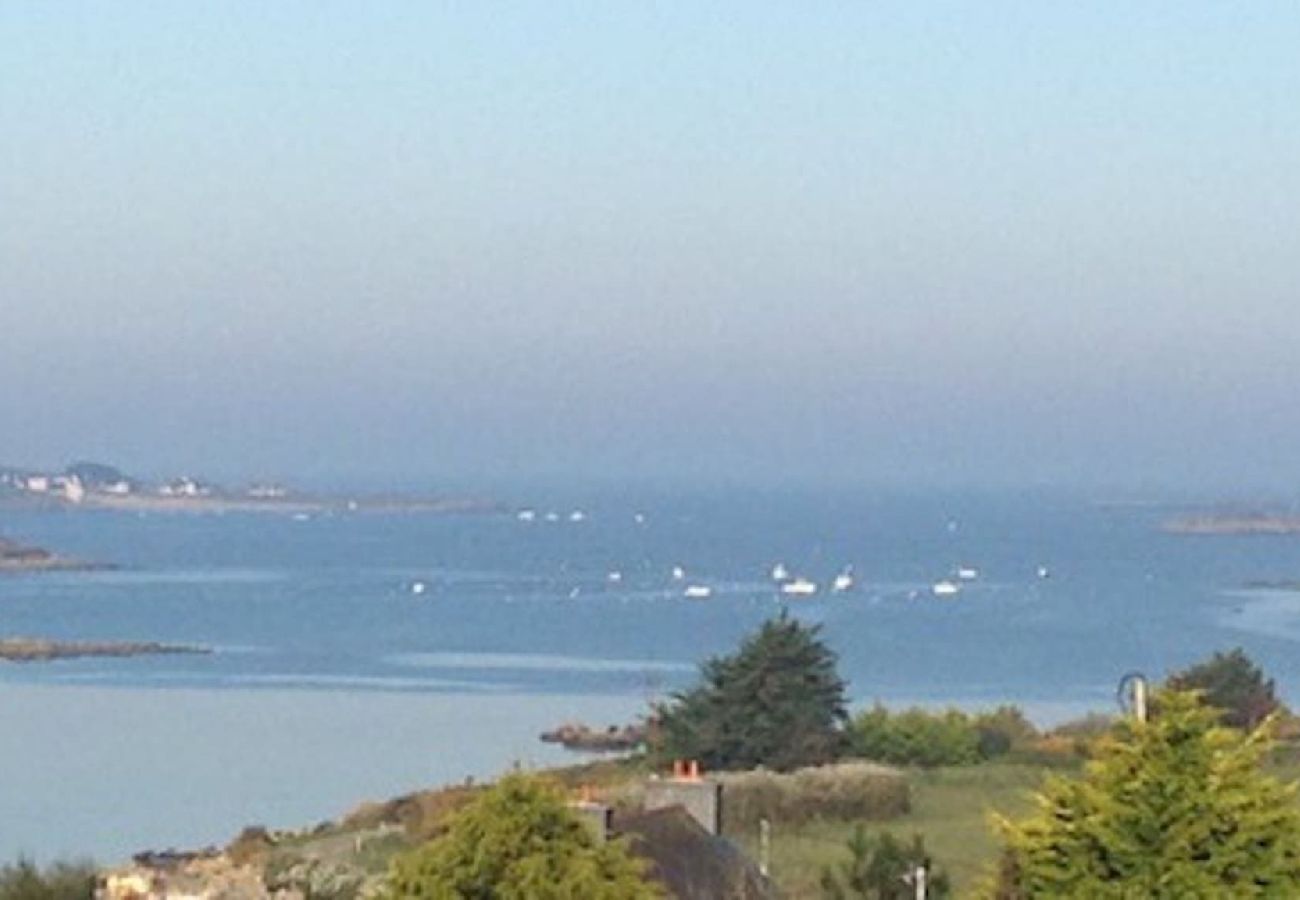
1232	683
777	702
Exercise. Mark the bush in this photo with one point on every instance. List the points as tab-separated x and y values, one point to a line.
778	702
883	868
24	880
845	791
1003	730
518	840
915	737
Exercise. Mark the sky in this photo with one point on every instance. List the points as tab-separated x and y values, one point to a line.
998	243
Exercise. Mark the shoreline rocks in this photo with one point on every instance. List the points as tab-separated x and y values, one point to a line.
614	739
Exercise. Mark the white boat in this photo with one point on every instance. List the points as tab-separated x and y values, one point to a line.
678	573
577	516
843	582
968	573
780	572
419	588
945	588
526	515
552	517
615	577
800	587
1044	572
698	591
639	518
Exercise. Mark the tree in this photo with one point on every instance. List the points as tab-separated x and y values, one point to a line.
1232	683
1171	808
519	841
778	702
883	869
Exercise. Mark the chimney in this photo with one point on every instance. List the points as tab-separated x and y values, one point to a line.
687	788
597	816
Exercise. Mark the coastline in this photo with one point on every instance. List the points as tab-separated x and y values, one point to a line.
29	650
221	503
1232	524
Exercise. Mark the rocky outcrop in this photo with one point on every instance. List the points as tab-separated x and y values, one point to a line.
15	557
576	736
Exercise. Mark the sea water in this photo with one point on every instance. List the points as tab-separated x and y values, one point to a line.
334	680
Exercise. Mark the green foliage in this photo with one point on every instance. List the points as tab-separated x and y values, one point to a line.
917	737
24	880
1003	730
1231	682
519	841
778	702
1172	808
883	868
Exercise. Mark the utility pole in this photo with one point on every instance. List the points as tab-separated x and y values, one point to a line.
764	847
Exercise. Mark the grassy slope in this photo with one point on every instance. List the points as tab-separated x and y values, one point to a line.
950	806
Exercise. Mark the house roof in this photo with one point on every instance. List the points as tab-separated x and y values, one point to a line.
691	863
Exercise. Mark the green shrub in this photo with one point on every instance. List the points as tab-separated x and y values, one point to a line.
919	737
1002	731
24	880
915	737
883	868
518	840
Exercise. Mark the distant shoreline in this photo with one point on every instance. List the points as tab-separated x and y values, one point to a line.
305	505
1233	524
28	650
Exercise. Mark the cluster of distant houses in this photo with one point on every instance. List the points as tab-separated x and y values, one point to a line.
74	485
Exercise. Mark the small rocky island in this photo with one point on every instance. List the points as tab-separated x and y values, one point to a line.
22	649
15	557
614	739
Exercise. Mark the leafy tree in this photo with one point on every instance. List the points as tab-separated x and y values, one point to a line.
883	868
1172	808
519	841
1232	683
778	702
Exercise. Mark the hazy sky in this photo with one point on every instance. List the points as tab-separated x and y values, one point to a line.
1027	242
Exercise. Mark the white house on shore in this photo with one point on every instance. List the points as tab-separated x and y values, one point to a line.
184	487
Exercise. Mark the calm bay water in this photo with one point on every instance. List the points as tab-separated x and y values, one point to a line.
333	682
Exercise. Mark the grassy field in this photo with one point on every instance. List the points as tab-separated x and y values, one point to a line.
950	807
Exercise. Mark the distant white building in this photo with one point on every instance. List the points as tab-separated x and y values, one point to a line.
116	488
38	484
184	487
267	492
73	490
